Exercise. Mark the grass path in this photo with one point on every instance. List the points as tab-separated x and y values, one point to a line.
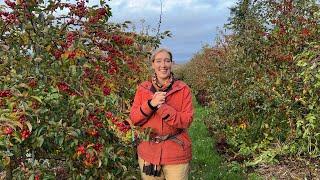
206	164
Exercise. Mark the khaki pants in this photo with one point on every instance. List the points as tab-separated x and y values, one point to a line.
168	172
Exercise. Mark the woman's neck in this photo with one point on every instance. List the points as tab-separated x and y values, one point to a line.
162	81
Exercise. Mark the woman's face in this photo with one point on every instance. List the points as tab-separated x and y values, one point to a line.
162	65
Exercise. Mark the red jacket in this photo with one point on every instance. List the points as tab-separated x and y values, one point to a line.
176	113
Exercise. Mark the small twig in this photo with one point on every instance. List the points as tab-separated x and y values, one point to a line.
33	25
160	20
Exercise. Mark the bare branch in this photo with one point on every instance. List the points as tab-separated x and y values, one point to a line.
160	20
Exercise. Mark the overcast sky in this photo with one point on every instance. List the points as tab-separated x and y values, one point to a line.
193	23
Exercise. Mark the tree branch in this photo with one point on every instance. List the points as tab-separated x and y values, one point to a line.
160	20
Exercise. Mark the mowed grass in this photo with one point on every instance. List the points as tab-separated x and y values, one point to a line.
206	163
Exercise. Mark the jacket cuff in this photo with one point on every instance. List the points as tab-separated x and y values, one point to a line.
145	109
152	107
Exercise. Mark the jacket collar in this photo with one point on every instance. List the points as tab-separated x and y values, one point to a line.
176	86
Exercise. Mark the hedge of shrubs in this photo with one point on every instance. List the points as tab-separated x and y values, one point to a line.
67	81
263	80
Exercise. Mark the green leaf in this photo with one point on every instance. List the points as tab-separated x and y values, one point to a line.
60	140
31	177
18	139
37	98
102	2
39	130
73	70
73	133
39	141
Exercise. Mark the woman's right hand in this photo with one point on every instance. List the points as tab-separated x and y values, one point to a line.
158	99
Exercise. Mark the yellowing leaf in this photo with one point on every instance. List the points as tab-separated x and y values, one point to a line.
48	48
99	163
80	53
90	145
37	98
65	55
10	122
23	85
25	39
6	160
29	125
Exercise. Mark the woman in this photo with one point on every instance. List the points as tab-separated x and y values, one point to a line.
165	105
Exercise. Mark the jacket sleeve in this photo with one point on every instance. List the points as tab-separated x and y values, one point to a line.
140	110
178	119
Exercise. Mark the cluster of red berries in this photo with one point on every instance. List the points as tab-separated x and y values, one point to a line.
25	134
9	18
89	158
99	79
108	115
133	66
305	32
70	39
5	93
64	87
123	126
8	130
128	41
96	78
113	67
79	10
22	118
5	14
57	54
100	13
93	132
95	120
106	90
110	59
37	177
80	150
72	55
10	4
32	83
122	40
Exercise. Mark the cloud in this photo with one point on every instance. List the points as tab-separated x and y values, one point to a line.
193	23
135	5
